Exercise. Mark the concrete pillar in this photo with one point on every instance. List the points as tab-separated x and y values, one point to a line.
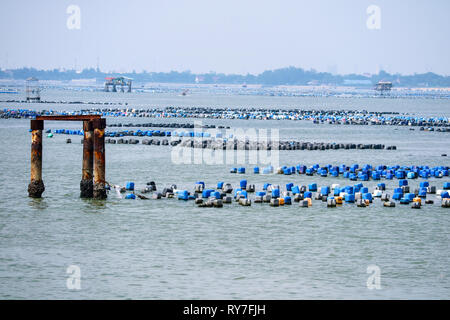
99	191
86	184
36	186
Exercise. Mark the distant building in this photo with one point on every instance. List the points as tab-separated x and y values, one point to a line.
383	86
120	82
32	90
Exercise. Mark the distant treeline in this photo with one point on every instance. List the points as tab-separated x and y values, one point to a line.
284	76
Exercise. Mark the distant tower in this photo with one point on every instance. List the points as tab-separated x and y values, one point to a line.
33	90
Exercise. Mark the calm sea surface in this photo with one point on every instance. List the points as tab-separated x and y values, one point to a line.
170	249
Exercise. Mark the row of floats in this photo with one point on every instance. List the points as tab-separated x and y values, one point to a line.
346	117
333	195
355	172
144	133
219	141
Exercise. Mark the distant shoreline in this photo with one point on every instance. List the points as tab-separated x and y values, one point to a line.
17	92
278	77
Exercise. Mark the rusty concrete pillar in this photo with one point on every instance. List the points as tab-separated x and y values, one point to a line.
99	159
36	186
86	184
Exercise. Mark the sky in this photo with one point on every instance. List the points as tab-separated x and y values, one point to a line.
227	36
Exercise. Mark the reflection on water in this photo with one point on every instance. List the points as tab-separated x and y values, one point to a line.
39	204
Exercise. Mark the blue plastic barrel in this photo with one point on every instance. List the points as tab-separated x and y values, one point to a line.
422	193
301	169
400	174
325	190
243	193
201	182
216	194
207	193
398	190
337	191
367	196
183	195
402	183
397	196
275	193
411	175
349	198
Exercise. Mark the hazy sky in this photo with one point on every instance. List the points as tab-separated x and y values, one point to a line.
243	36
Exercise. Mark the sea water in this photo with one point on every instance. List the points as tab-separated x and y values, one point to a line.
170	249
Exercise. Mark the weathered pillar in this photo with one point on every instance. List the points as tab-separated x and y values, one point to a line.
86	184
36	186
99	158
